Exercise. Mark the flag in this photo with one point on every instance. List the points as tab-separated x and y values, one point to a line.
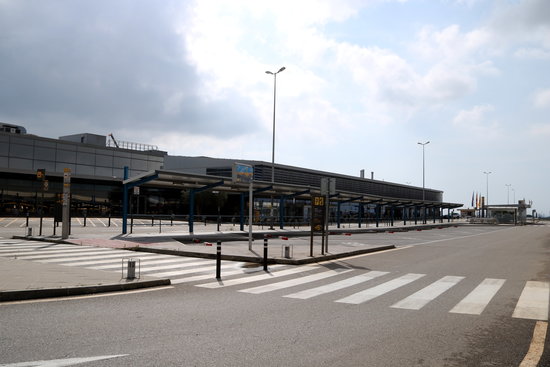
472	199
477	201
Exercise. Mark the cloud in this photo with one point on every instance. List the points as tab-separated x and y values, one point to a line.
476	120
541	98
113	66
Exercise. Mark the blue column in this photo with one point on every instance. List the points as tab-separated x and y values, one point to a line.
282	212
125	203
360	214
191	209
337	215
242	211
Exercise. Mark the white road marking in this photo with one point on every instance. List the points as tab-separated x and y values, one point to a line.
224	274
294	282
68	250
256	278
61	362
424	296
108	261
309	293
85	254
111	255
475	302
381	289
533	302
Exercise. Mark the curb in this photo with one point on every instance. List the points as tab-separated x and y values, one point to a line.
21	295
259	260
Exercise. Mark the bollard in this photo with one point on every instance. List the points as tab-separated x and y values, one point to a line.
265	253
84	219
54	225
160	225
109	220
219	260
40	230
27	220
152	221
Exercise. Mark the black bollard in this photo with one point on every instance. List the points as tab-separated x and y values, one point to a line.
109	220
265	253
27	220
219	260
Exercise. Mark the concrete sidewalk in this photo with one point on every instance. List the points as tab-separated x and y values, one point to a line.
22	279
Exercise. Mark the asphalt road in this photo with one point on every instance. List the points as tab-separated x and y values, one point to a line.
384	309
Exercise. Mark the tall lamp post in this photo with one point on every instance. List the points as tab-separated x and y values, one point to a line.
423	169
273	142
508	194
424	177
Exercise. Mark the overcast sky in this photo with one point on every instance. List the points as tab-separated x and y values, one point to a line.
365	81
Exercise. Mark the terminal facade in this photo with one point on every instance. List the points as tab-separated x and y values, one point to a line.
97	164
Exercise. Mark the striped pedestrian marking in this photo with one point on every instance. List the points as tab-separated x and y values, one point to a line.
424	296
227	273
95	257
533	302
358	279
188	271
475	302
371	293
81	254
40	253
293	282
153	265
86	262
255	278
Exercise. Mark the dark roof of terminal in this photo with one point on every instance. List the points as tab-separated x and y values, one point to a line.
183	180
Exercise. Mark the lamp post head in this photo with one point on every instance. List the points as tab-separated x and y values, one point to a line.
269	72
281	69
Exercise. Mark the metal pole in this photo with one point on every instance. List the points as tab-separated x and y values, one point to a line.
508	195
250	206
265	253
219	260
487	198
273	139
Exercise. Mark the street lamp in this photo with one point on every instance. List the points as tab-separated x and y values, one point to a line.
508	195
423	170
273	142
487	199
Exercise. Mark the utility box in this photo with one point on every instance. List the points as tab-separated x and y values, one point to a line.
131	268
29	231
286	251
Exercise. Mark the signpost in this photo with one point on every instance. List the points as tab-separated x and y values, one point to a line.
244	173
328	187
41	176
66	203
317	220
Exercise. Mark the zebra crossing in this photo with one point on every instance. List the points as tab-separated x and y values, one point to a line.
341	285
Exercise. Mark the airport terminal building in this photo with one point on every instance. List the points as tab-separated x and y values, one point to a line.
97	165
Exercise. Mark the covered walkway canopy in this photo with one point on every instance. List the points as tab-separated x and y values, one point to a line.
196	183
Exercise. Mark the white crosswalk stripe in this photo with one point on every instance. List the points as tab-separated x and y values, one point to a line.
381	289
256	278
358	279
533	302
475	302
421	298
294	282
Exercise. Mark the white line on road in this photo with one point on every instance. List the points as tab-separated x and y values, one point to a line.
424	296
256	278
533	302
309	293
294	282
475	302
381	289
